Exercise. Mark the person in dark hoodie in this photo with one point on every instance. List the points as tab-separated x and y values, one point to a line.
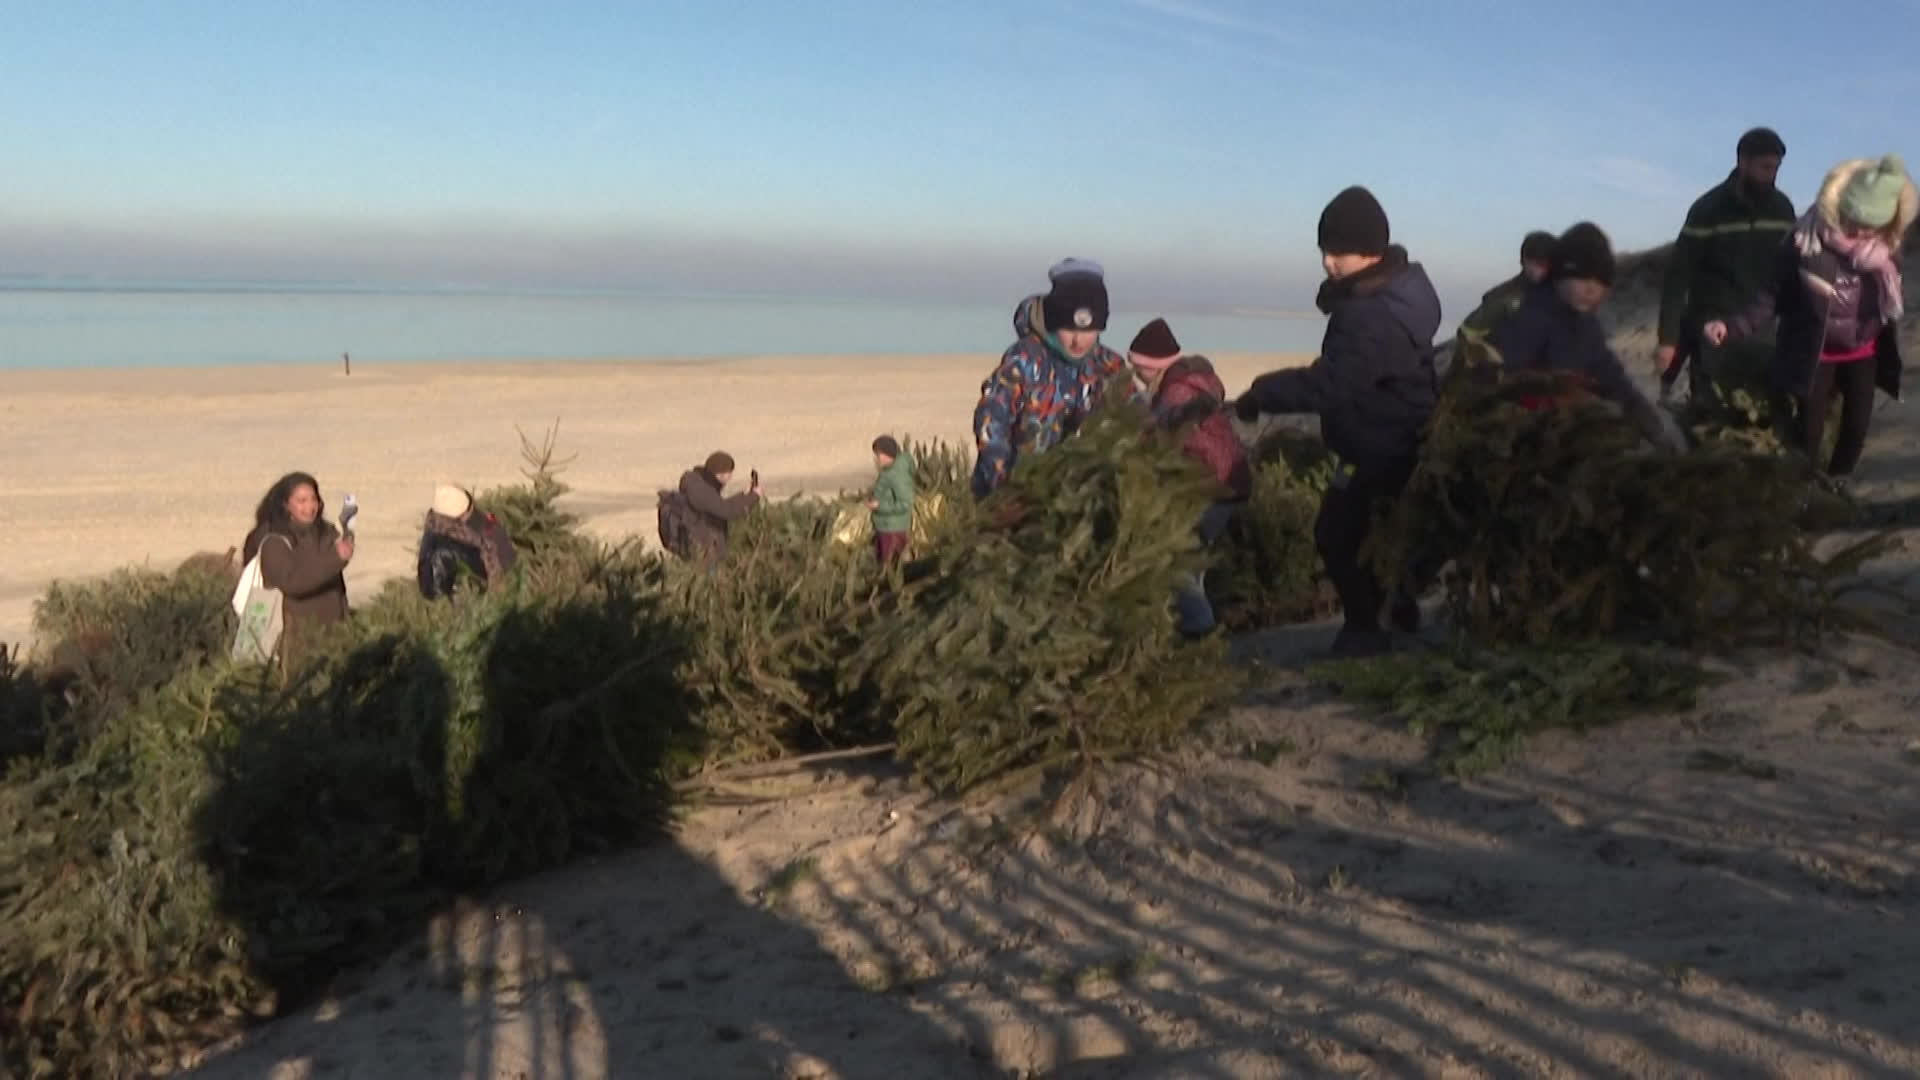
1184	394
1555	329
1374	387
712	510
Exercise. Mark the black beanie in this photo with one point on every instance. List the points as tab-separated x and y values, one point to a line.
1583	252
1354	224
1761	142
1078	301
1155	341
1537	247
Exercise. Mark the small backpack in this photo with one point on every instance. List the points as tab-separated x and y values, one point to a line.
676	524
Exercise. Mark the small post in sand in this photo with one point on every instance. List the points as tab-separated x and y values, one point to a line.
346	362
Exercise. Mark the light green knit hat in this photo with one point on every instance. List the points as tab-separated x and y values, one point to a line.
1872	197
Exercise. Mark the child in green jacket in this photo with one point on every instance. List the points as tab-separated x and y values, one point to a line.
892	502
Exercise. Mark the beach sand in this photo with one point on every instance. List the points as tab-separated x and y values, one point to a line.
1731	891
108	468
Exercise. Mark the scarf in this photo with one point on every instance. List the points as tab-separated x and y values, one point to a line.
1869	256
1059	351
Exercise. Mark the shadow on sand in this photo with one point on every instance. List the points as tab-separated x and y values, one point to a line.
1338	910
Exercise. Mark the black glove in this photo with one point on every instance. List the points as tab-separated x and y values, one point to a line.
1246	408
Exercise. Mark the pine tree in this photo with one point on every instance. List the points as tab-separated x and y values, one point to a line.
1043	637
1562	524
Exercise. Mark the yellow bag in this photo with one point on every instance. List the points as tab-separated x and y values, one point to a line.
926	511
854	523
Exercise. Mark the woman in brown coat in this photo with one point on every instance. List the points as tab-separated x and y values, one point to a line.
302	555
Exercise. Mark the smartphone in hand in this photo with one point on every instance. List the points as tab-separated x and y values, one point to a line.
348	508
754	474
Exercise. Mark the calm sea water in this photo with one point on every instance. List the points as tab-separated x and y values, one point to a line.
157	325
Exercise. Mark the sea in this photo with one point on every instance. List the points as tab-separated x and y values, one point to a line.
61	324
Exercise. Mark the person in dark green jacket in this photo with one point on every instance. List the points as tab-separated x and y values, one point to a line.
892	502
1723	258
1499	303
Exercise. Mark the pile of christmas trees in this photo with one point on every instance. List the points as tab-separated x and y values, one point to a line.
1562	524
220	836
1041	636
1581	557
185	842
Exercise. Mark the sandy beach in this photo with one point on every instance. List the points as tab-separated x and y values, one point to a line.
109	468
1727	892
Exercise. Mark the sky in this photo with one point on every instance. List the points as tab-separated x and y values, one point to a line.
925	149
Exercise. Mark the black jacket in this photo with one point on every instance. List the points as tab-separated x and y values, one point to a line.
1373	384
1721	257
1547	334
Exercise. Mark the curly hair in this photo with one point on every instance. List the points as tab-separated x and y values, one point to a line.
272	516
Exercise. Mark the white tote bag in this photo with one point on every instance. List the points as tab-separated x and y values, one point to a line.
259	608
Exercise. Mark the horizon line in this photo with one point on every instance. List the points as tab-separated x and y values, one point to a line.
87	283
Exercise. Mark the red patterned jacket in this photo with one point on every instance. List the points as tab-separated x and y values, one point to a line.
1190	393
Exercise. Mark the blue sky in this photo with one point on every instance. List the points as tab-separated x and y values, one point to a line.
929	148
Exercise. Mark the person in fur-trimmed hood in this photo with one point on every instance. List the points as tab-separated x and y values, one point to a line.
1374	387
1838	295
458	537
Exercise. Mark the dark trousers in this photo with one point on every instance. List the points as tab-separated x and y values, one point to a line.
1853	382
1715	372
1346	517
888	546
